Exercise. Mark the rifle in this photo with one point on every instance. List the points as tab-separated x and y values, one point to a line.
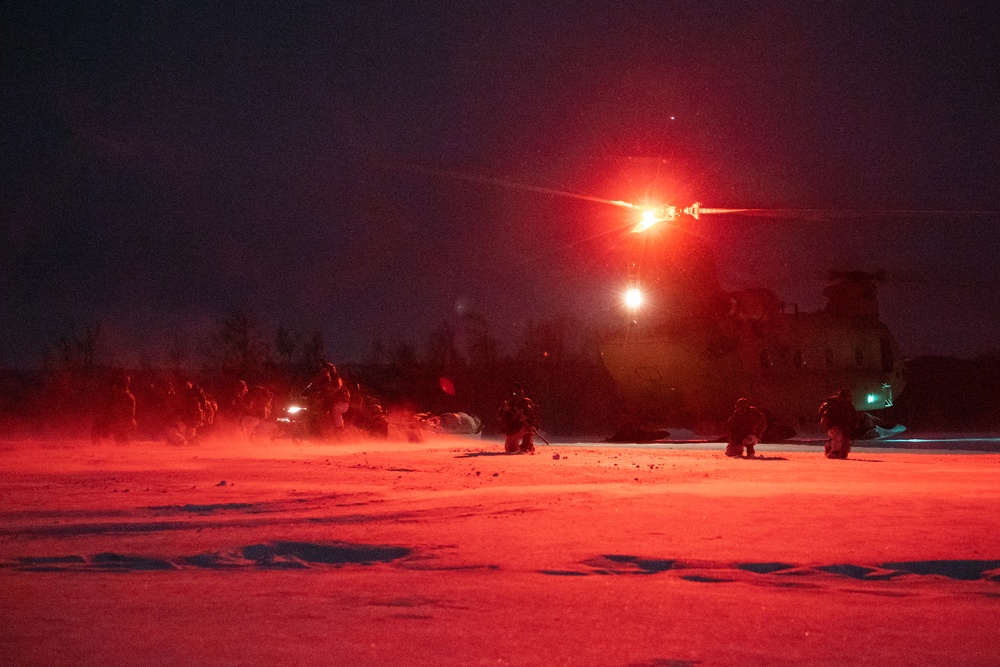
524	420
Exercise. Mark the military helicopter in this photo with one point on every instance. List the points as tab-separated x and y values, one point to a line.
685	350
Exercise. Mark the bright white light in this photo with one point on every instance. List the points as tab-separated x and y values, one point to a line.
872	398
294	409
648	218
633	298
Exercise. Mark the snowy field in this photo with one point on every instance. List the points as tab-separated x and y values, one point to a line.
446	552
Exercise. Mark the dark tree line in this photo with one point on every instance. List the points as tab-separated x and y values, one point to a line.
458	367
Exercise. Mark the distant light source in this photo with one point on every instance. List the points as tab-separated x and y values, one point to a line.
633	298
294	409
650	217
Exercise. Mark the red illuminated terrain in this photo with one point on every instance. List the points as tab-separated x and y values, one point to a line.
446	552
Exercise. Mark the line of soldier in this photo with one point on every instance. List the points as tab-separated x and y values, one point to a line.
180	416
837	415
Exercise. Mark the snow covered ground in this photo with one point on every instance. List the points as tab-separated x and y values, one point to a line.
447	552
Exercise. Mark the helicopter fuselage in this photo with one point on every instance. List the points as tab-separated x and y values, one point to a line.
689	372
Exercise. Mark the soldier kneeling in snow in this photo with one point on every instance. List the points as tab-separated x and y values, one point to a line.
744	428
518	419
838	416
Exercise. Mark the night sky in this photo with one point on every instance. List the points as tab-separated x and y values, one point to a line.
337	165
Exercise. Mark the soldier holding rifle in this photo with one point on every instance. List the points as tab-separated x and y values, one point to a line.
518	418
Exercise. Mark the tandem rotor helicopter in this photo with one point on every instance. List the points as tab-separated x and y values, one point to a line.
687	350
684	349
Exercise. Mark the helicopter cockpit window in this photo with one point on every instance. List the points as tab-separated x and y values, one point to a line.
859	356
765	359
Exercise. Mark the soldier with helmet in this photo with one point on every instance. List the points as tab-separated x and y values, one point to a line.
745	427
328	399
251	405
839	417
195	410
518	417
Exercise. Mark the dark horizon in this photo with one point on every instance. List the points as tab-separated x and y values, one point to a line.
168	162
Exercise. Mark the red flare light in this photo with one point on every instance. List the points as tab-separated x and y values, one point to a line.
447	386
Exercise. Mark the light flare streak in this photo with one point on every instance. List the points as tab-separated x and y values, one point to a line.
652	215
510	184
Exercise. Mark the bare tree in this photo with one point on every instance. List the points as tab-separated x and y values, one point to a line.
545	342
177	351
482	349
313	352
379	353
287	344
404	357
441	350
81	352
236	347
